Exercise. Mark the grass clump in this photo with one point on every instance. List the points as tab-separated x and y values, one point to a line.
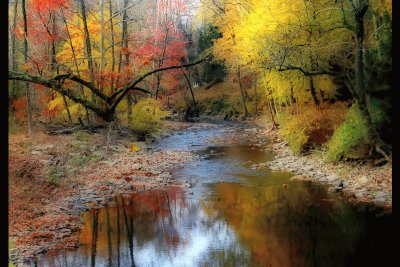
55	173
147	116
349	137
82	136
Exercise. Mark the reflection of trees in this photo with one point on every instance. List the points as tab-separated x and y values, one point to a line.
287	227
111	234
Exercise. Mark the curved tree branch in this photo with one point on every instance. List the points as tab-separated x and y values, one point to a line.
307	72
55	85
120	94
83	82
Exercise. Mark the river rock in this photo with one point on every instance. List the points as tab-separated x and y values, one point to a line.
332	178
362	180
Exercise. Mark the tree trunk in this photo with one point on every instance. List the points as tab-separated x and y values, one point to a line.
359	9
313	91
242	94
28	93
13	47
88	49
191	92
75	62
126	45
102	58
160	62
359	12
54	65
255	98
112	47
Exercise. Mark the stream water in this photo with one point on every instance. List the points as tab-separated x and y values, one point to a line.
231	216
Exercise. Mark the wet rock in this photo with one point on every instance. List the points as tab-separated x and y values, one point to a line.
379	201
187	185
335	189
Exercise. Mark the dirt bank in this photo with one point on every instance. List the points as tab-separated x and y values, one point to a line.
53	179
363	181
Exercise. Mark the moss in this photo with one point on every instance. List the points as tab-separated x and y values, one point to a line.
349	137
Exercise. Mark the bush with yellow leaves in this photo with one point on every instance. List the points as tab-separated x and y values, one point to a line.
147	115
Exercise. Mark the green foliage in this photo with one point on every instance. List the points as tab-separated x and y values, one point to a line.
312	127
211	71
54	175
10	264
349	136
147	115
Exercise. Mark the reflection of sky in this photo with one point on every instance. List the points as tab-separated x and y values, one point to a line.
201	237
280	225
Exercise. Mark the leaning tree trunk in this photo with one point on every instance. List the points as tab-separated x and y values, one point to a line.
191	92
28	93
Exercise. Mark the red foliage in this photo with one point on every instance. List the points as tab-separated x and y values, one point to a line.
19	106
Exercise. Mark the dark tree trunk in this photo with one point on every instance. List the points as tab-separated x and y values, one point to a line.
359	13
313	92
242	93
13	47
191	92
28	93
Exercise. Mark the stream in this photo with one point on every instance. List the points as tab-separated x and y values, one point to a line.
229	215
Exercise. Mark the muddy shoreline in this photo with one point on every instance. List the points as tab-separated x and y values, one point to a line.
363	182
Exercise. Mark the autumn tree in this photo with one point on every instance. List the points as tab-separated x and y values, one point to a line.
82	46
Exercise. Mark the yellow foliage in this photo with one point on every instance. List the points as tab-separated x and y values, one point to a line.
147	115
261	35
58	102
134	148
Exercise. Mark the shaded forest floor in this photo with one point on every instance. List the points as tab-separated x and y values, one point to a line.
54	178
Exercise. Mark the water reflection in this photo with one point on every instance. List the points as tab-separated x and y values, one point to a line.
159	228
240	217
236	225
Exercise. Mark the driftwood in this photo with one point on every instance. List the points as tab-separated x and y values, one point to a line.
63	129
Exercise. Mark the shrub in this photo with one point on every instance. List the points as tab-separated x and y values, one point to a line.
312	127
55	173
147	115
82	136
349	137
